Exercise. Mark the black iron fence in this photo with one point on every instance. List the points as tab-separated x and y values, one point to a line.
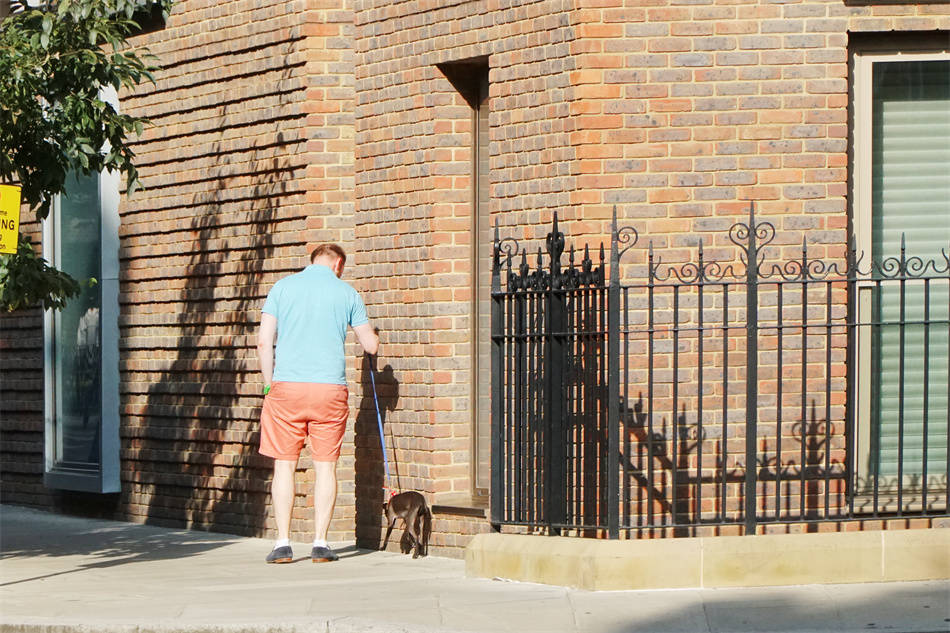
620	407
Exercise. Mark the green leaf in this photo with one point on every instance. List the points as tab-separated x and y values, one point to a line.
27	280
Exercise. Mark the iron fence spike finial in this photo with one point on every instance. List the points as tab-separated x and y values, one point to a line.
496	250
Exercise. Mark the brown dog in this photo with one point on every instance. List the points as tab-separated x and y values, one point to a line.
411	507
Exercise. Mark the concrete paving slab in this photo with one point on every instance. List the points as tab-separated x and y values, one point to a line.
62	574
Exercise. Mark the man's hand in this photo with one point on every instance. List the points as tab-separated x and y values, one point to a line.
367	337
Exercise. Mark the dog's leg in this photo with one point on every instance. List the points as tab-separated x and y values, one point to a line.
412	527
389	530
426	516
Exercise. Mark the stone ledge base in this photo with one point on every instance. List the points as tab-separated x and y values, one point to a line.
706	562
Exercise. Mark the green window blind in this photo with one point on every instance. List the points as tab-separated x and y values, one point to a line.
911	198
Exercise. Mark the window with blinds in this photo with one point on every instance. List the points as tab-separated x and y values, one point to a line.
910	183
902	200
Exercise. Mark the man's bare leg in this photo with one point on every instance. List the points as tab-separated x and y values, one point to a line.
324	497
282	495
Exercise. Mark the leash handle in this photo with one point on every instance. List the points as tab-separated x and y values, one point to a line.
379	421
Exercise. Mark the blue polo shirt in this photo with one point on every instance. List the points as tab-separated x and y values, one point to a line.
313	310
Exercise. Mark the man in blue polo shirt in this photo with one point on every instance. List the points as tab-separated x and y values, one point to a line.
307	315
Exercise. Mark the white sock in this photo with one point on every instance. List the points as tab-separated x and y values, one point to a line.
282	542
319	542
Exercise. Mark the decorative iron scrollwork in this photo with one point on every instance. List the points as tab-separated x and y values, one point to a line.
752	238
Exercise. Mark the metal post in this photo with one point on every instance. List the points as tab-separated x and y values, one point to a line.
613	387
752	374
555	494
497	385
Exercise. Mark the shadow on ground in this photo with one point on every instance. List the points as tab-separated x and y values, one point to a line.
908	608
32	533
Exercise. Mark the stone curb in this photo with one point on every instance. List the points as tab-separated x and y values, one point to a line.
314	625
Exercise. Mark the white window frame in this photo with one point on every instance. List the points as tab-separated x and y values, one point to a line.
106	479
863	61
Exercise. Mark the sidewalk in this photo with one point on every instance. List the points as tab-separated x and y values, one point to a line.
62	574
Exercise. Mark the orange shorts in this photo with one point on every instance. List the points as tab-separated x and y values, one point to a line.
294	410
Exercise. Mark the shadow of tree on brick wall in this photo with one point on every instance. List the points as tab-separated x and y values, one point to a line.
191	457
369	468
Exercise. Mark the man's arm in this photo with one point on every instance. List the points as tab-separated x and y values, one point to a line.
367	338
266	336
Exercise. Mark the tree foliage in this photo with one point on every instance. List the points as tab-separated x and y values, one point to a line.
55	62
26	279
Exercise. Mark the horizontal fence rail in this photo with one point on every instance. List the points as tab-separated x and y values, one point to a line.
640	406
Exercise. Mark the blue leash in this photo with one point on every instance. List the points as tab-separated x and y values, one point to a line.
382	440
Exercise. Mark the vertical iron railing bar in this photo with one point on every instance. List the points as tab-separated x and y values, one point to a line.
524	406
875	431
900	382
591	423
803	474
519	356
752	376
512	388
524	507
510	455
539	471
623	353
597	342
591	413
674	413
547	420
530	504
779	403
947	463
652	332
570	406
724	501
828	321
926	393
613	384
697	501
588	410
498	377
586	470
851	358
610	429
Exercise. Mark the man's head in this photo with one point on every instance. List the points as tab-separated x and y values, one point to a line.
329	255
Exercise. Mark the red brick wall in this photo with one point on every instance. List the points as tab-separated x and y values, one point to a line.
222	217
278	125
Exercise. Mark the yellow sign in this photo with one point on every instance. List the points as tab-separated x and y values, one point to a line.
9	217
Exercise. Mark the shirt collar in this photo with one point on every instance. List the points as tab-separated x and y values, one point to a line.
320	269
